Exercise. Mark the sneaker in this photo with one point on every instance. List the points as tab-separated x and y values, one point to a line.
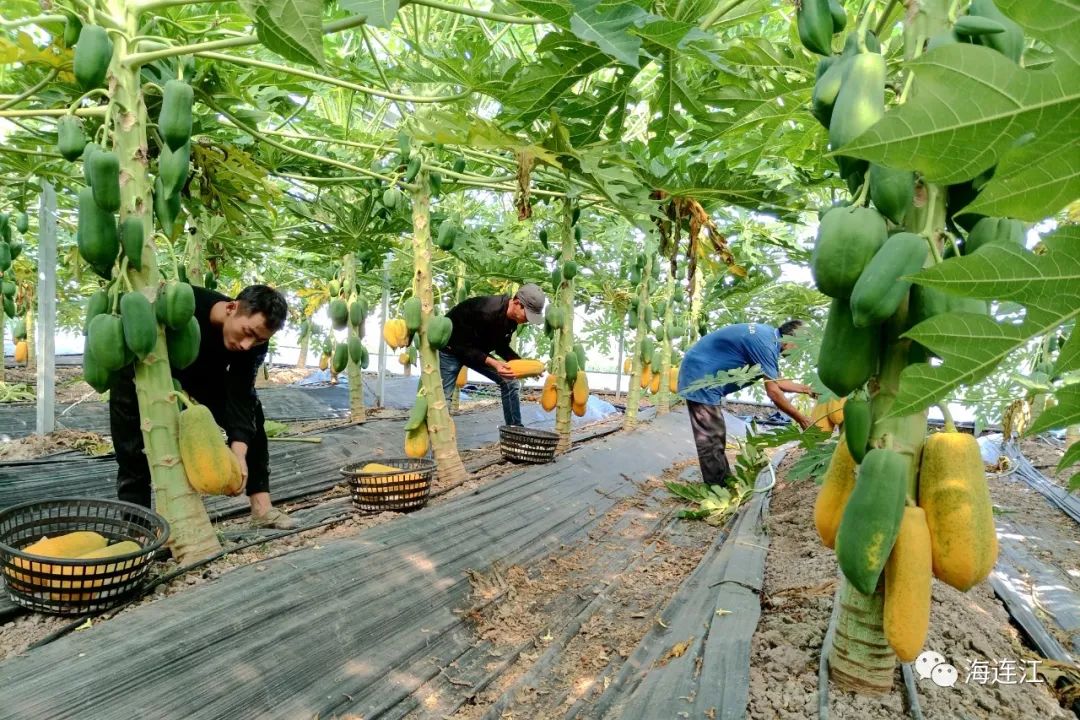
275	519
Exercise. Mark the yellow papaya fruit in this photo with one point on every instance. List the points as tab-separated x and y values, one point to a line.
580	393
628	366
673	380
69	545
125	547
654	383
210	466
324	361
416	442
836	411
404	358
646	377
907	587
549	398
834	492
379	468
819	415
953	492
22	351
526	368
462	376
578	409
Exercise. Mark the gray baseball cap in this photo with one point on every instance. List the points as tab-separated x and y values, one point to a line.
533	298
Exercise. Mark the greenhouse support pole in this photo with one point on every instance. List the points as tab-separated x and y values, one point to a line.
46	297
382	327
619	362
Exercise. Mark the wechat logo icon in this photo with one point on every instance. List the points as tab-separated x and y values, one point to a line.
932	666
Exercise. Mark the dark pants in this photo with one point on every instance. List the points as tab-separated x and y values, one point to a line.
450	366
710	436
133	475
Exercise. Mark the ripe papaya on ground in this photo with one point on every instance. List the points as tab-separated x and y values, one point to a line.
848	355
832	497
93	53
175	117
954	494
871	519
882	285
847	239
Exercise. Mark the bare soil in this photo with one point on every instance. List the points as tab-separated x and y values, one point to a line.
1045	457
800	579
36	446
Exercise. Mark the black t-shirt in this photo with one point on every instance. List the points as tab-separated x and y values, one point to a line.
481	327
219	378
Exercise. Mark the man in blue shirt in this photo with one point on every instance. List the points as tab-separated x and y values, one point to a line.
747	345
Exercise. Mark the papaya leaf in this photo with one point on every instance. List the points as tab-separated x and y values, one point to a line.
558	12
1070	458
380	13
970	345
1069	357
542	83
607	27
290	28
972	108
1066	412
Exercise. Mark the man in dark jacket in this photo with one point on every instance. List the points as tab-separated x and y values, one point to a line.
482	326
234	334
746	345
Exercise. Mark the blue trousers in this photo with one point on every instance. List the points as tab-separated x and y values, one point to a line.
450	366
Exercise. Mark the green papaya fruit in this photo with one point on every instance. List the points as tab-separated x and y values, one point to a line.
9	307
544	238
22	222
635	277
5	256
974	26
183	344
459	166
575	215
858	421
94	374
412	169
892	191
826	89
339	314
881	286
412	312
72	29
569	270
175	305
554	316
583	361
838	14
166	208
404	146
8	288
446	236
418	414
1010	42
93	53
994	231
105	339
132	238
105	180
357	313
851	44
656	362
847	239
391	198
356	350
570	366
848	355
19	331
209	281
97	236
175	117
859	105
173	167
648	346
556	277
871	518
815	24
340	359
140	324
70	138
435	180
87	153
96	305
439	331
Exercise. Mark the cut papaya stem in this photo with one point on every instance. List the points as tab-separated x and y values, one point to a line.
949	425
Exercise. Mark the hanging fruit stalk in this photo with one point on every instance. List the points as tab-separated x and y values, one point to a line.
354	341
633	398
192	535
440	425
564	335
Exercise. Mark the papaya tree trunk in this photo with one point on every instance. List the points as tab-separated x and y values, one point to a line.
192	535
634	392
305	340
695	300
356	377
564	336
663	400
31	351
440	425
194	260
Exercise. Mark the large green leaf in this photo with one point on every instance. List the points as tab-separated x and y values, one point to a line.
971	108
607	27
971	346
1065	413
290	28
380	13
540	84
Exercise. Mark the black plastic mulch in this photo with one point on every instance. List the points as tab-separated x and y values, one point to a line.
349	628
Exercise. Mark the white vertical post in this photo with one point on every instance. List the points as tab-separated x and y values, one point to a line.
619	363
44	338
382	327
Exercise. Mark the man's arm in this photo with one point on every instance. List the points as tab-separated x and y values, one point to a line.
240	396
507	353
776	393
790	386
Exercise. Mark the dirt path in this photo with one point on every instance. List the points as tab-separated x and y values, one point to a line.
800	580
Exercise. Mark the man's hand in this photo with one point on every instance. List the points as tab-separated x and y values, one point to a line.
502	368
240	449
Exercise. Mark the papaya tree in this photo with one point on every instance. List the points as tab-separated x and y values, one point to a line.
641	350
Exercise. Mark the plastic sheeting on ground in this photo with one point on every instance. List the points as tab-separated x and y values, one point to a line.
351	627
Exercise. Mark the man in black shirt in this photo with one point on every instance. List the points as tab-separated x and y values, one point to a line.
232	346
483	325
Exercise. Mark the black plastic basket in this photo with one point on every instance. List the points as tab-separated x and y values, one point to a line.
400	491
526	445
63	586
